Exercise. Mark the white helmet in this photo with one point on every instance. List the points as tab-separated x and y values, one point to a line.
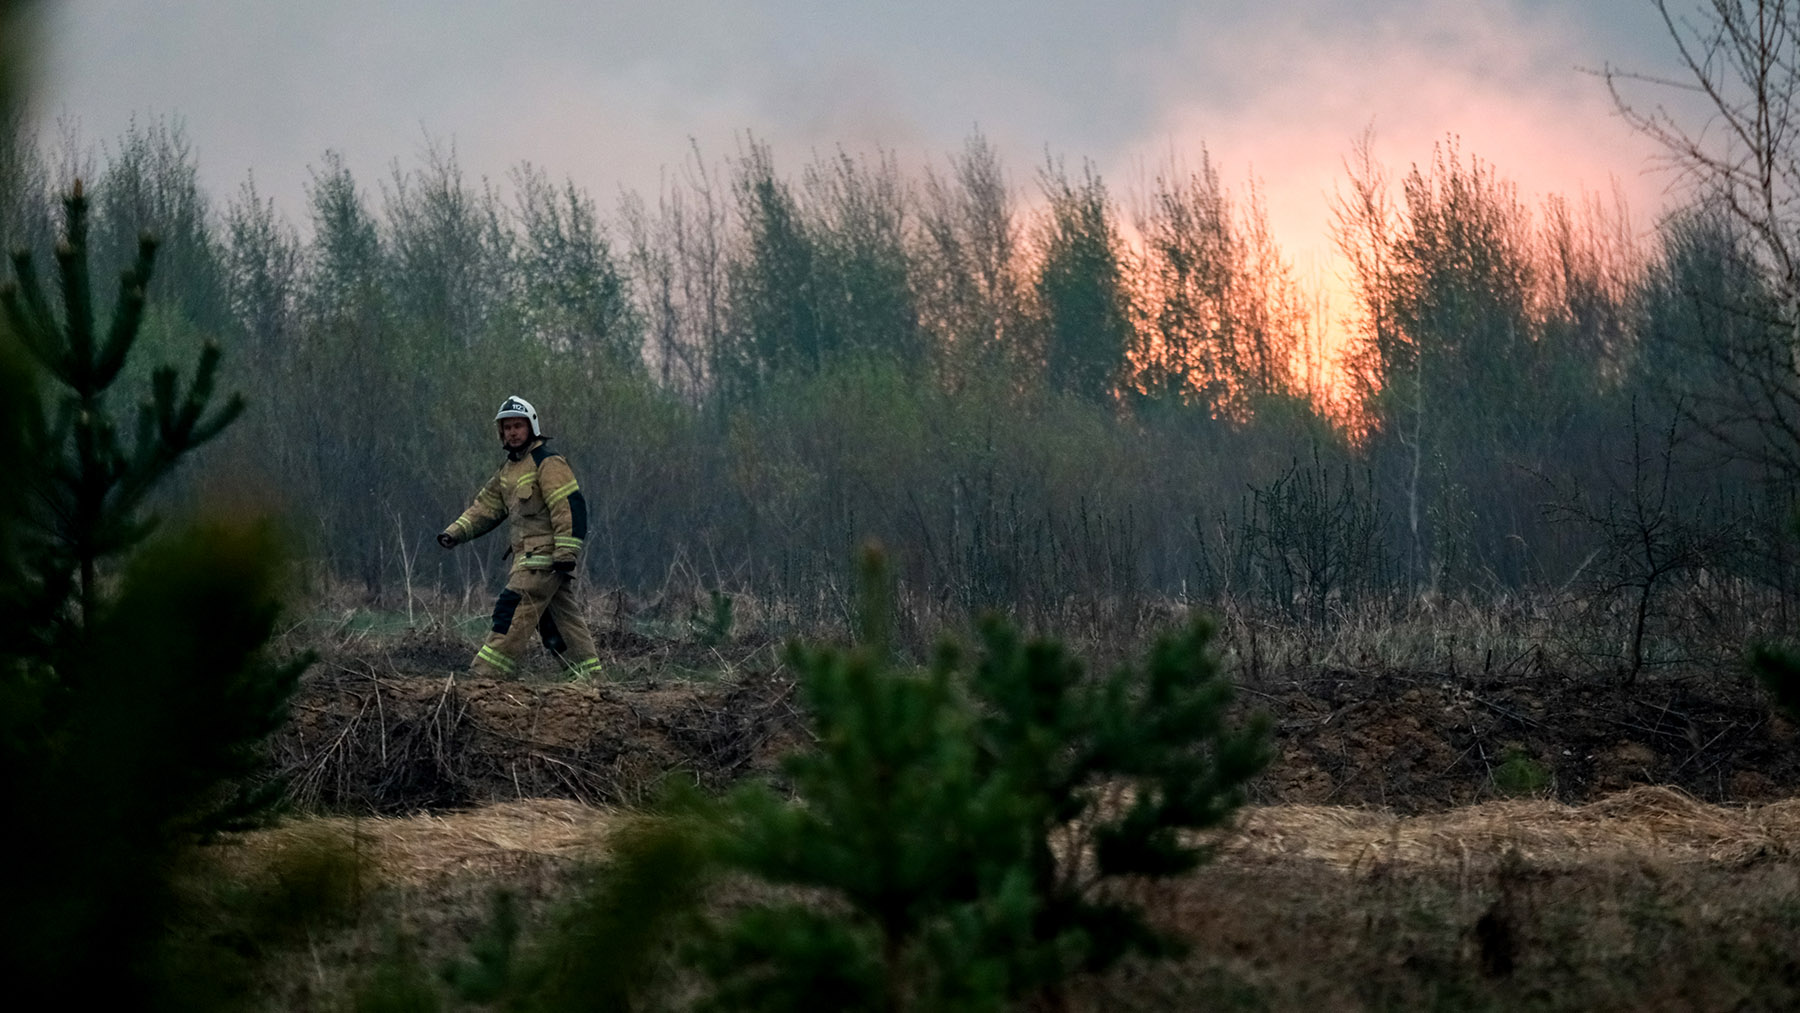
517	407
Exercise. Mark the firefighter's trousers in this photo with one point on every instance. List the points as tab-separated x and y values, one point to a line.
540	601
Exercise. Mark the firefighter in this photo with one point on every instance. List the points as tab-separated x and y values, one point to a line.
536	491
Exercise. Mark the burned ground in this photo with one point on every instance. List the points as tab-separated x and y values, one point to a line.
1651	865
383	727
388	729
1424	741
1645	899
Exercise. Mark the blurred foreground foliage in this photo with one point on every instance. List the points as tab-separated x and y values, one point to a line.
135	683
967	836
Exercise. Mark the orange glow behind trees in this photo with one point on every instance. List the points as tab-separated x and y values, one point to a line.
990	344
1223	322
1458	231
1221	319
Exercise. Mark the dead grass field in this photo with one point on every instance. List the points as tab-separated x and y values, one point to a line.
1505	836
1652	825
1647	899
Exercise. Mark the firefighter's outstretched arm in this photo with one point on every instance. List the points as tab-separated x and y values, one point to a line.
488	510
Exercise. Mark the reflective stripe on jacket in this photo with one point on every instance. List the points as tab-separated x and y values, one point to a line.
538	494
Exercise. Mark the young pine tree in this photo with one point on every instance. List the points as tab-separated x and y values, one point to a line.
953	840
956	829
135	686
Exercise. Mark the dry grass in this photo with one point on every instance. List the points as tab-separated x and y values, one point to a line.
1643	899
1567	630
1650	823
1499	635
428	849
1646	898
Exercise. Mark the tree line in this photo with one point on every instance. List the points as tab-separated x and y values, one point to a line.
1034	394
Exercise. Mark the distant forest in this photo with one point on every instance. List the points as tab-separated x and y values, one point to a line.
1041	395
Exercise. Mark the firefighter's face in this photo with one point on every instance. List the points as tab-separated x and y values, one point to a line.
514	433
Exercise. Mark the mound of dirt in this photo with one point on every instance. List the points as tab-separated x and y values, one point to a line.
391	744
1418	742
379	726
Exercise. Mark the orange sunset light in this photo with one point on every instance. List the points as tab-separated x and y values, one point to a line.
1598	175
1505	86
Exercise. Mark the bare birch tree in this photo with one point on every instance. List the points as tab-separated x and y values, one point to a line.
1730	130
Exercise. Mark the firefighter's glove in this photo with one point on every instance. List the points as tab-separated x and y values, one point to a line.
566	567
446	541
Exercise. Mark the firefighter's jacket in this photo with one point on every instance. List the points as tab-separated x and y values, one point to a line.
536	491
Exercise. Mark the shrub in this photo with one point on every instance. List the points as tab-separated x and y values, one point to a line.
135	688
958	837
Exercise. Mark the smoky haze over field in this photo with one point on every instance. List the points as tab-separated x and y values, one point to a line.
1353	340
612	94
873	308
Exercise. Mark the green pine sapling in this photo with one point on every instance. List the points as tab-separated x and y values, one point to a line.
957	831
135	684
954	838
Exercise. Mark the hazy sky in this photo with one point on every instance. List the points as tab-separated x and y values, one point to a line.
612	94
